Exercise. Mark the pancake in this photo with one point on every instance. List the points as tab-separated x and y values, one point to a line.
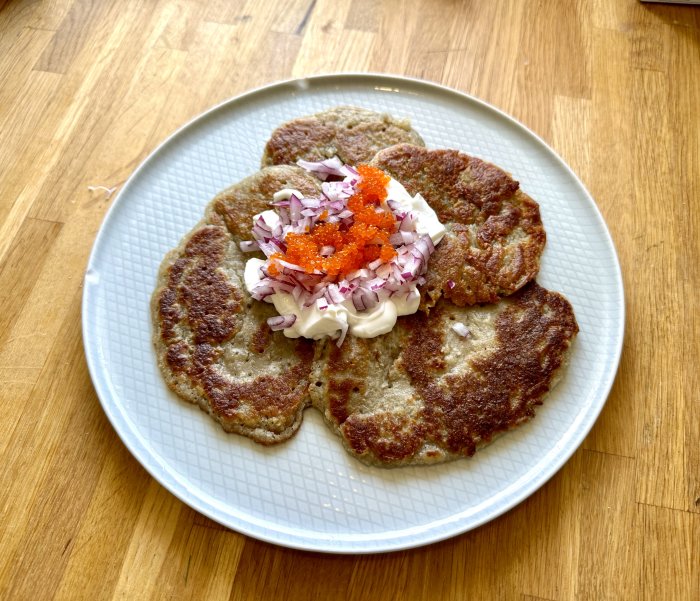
238	204
352	134
424	394
494	234
212	341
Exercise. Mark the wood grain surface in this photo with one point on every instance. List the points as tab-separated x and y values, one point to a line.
89	87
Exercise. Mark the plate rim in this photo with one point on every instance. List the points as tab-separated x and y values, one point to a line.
334	545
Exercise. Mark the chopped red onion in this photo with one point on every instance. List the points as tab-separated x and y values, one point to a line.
333	294
383	271
284	287
364	287
370	298
269	247
422	247
295	208
322	169
412	267
359	273
289	266
261	292
337	206
376	283
311	203
403	238
260	232
312	297
337	191
281	322
461	329
408	223
358	301
262	224
248	246
396	239
392	286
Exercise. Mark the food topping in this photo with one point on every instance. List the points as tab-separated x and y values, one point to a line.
360	249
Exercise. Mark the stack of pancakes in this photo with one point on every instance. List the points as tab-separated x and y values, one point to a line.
423	393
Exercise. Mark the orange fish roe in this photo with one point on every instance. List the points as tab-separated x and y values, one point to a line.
366	240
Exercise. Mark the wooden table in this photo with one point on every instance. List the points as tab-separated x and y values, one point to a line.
88	89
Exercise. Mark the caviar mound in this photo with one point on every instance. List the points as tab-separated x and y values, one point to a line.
366	240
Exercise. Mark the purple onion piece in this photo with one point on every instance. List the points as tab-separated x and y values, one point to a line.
408	223
248	246
370	298
358	300
281	322
461	329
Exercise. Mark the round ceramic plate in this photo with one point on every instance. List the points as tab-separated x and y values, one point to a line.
308	493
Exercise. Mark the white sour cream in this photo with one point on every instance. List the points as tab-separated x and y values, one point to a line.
313	322
427	221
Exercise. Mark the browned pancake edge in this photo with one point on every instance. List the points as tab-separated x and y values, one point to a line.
352	134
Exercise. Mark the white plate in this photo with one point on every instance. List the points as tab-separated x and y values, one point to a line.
308	493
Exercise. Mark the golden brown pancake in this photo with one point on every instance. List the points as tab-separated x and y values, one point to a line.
425	394
494	234
212	340
238	204
352	134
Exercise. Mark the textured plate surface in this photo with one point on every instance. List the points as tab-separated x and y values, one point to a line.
309	493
